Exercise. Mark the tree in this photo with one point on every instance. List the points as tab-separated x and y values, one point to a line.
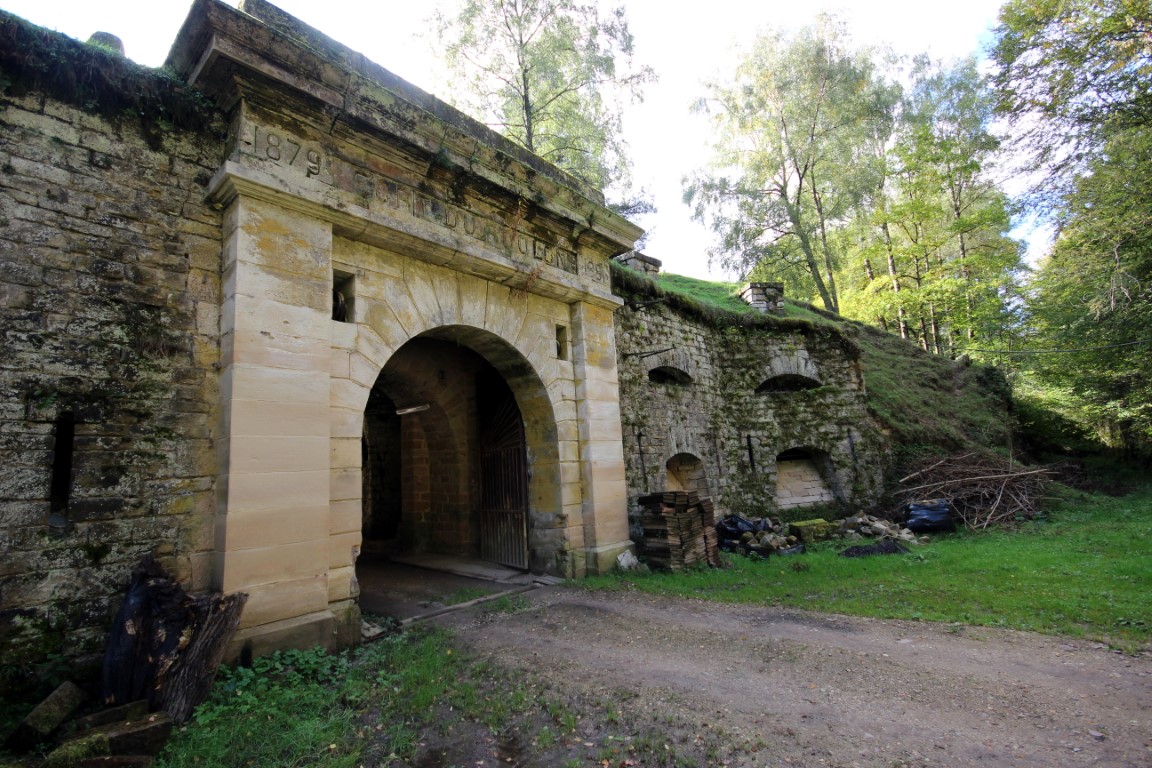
549	75
1071	73
795	155
1075	78
1094	293
932	253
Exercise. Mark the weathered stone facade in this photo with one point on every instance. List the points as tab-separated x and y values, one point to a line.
109	307
179	380
264	312
758	415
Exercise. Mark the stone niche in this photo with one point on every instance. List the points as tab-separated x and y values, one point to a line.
382	252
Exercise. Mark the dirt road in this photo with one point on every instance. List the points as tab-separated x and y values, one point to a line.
746	686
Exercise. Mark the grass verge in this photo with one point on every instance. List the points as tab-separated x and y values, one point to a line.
309	708
1083	571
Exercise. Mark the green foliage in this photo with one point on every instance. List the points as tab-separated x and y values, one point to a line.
797	131
1070	74
1095	290
282	711
549	74
1082	572
930	259
1073	78
829	177
302	708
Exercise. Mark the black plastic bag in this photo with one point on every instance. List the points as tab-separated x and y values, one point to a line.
733	527
930	516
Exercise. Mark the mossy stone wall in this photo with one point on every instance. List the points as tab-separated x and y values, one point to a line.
715	414
109	317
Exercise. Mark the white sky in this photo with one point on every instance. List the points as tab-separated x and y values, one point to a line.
684	44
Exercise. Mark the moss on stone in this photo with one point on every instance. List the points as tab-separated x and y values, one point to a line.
809	531
98	81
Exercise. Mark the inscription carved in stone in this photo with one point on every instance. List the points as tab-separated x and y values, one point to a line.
379	193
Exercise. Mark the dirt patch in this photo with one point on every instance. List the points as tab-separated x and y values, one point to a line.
627	679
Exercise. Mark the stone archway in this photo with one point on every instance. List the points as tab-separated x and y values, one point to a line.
428	425
424	224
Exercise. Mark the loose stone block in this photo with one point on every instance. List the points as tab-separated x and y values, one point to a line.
39	725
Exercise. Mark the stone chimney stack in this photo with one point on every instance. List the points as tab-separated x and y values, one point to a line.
108	42
766	297
641	263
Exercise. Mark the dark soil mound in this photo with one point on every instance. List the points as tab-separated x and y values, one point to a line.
885	547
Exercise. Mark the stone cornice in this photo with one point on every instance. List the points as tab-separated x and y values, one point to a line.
219	45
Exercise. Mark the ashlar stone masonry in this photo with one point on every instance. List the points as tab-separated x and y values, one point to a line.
278	307
458	259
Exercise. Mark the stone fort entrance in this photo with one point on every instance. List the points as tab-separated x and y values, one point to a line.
416	333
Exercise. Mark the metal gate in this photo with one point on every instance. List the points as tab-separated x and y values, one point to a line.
503	482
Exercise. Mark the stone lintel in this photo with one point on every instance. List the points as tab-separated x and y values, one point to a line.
423	240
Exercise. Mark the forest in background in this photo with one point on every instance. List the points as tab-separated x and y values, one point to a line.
886	189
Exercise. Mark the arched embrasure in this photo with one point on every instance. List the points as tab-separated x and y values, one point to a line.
686	473
667	374
787	382
802	478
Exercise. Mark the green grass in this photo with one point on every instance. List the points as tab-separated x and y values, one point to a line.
720	295
1083	572
307	708
927	400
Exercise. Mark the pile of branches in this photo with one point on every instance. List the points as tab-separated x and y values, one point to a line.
985	490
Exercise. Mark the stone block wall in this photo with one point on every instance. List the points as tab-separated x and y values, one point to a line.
109	340
689	391
800	484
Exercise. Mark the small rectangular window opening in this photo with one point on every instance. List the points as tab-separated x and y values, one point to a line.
561	342
343	296
64	446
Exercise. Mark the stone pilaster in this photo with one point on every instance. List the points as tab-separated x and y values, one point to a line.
604	490
272	526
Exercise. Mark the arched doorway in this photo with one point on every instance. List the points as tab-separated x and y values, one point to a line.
445	455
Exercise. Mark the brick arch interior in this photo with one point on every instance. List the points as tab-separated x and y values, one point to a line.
421	446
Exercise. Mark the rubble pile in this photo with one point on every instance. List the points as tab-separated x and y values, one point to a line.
756	536
765	536
857	527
